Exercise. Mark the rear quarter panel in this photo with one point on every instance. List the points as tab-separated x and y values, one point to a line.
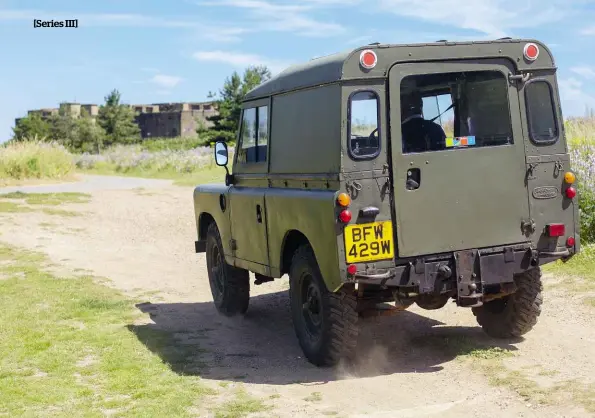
311	212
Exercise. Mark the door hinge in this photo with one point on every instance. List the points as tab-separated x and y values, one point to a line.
233	244
528	226
519	77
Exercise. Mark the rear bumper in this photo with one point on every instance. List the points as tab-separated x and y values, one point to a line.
471	270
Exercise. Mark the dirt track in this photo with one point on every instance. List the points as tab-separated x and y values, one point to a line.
143	241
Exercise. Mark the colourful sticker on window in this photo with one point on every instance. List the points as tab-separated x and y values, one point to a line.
462	141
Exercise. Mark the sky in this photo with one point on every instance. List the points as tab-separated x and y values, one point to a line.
179	50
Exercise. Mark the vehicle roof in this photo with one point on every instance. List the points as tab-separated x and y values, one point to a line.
330	68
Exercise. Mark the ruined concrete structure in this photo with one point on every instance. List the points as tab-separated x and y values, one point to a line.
154	120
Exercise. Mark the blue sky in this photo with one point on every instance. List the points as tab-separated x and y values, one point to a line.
179	50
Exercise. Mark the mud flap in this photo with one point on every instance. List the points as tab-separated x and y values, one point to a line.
469	286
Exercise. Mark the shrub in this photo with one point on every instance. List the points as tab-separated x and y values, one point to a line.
35	159
133	159
583	163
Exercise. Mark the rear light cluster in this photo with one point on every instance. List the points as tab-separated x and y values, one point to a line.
570	191
344	201
559	230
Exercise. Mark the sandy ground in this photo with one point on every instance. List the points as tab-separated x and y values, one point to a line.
143	241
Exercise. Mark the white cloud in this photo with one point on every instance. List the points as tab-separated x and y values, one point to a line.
495	18
574	99
584	71
239	59
166	81
283	17
588	31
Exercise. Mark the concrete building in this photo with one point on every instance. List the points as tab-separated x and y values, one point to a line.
154	120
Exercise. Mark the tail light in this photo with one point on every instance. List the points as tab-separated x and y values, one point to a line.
555	230
571	193
343	199
345	215
569	177
352	269
570	242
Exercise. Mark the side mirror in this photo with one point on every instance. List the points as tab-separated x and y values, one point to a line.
221	154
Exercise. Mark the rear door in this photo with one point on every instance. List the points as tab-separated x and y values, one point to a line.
468	191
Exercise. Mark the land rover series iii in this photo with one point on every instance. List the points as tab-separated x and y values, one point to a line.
395	174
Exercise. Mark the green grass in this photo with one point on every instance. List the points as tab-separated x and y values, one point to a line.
52	199
241	406
579	271
208	175
8	204
313	397
21	161
65	349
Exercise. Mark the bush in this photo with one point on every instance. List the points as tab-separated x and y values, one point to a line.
587	215
35	160
583	163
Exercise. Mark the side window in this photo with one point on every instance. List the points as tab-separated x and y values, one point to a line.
364	136
263	133
247	151
540	112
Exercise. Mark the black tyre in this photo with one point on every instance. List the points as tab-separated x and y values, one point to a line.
230	286
516	314
325	323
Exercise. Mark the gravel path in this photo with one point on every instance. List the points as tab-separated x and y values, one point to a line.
143	241
89	184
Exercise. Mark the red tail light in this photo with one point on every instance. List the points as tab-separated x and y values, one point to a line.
570	242
345	216
571	192
352	269
555	230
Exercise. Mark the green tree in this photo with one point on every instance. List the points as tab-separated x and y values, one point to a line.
63	130
230	99
117	120
30	127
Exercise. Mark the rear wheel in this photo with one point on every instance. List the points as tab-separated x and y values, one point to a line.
325	323
230	286
516	314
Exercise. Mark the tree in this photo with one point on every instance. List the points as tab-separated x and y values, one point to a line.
31	126
230	100
117	120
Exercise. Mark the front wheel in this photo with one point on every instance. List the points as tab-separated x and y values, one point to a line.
516	314
230	286
325	323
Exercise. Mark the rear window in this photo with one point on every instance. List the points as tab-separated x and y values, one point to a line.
364	135
446	111
540	111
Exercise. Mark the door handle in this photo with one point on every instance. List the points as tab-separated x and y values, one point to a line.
413	179
258	214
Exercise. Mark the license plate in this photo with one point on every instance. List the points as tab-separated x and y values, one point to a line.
369	242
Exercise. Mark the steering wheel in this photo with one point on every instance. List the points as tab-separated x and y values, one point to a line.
373	137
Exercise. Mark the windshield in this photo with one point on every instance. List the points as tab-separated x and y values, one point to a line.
453	110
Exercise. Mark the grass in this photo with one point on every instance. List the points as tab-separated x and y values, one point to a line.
313	397
52	199
7	204
578	273
207	175
22	161
65	349
241	406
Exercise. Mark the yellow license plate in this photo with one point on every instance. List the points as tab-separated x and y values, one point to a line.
369	242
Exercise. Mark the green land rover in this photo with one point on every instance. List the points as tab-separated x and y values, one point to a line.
393	175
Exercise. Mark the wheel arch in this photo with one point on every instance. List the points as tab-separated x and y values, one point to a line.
204	220
292	240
